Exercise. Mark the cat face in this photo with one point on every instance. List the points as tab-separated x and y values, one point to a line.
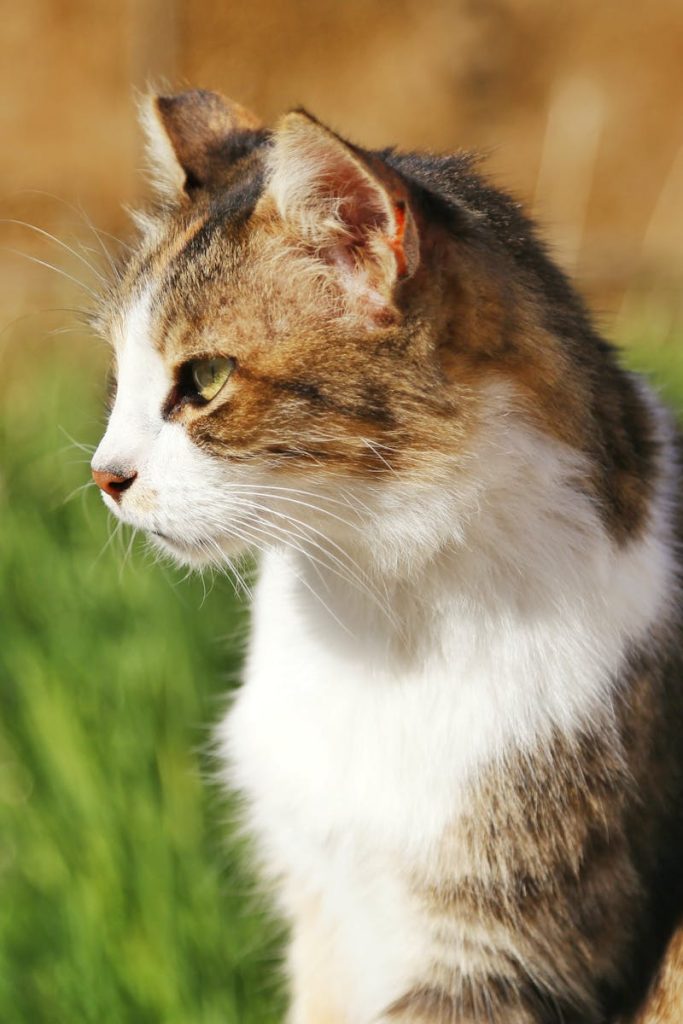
274	376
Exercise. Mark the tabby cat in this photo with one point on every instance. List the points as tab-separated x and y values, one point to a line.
459	735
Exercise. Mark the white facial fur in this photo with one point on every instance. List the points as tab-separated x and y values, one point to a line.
186	500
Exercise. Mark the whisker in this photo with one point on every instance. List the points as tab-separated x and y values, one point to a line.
89	449
59	331
78	490
50	266
345	570
127	553
85	218
250	540
241	581
307	527
352	526
345	567
295	490
118	526
374	448
57	241
48	309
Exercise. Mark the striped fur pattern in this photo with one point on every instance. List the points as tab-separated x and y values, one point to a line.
458	740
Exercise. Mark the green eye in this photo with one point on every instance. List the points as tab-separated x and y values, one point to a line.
209	375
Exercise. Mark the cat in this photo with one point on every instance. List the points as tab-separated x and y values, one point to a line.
458	741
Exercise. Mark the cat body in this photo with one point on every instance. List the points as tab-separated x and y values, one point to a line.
458	740
418	806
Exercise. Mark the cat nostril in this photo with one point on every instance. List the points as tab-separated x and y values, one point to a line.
113	484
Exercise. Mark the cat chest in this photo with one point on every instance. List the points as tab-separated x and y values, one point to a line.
326	740
348	790
321	751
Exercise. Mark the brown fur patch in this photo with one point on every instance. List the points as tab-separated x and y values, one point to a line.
208	134
493	329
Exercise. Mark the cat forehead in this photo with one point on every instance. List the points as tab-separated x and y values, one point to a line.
188	244
238	313
179	281
189	250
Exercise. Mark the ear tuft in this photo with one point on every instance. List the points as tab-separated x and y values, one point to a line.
194	138
349	206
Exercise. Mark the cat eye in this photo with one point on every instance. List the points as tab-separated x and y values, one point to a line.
209	375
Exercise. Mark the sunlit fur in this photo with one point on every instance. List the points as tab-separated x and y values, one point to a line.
458	740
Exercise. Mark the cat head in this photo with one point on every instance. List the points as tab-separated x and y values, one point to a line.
315	343
274	370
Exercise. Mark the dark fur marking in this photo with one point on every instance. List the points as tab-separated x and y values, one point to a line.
483	998
370	407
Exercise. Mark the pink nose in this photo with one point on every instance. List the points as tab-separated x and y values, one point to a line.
112	484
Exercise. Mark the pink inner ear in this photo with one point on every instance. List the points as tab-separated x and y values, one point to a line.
358	281
362	212
365	208
349	207
362	206
366	213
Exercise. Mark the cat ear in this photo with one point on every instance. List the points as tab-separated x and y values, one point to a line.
194	137
348	206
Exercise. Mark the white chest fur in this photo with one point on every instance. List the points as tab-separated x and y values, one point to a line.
354	753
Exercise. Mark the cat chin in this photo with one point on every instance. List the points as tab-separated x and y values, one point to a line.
196	555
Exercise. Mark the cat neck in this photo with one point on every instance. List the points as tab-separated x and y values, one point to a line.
508	572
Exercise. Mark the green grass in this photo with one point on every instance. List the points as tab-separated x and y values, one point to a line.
123	897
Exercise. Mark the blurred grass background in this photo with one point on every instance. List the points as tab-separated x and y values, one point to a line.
125	896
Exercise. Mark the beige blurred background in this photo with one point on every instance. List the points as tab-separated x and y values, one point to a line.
578	106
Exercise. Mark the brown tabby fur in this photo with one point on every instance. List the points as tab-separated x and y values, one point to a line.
554	865
569	860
